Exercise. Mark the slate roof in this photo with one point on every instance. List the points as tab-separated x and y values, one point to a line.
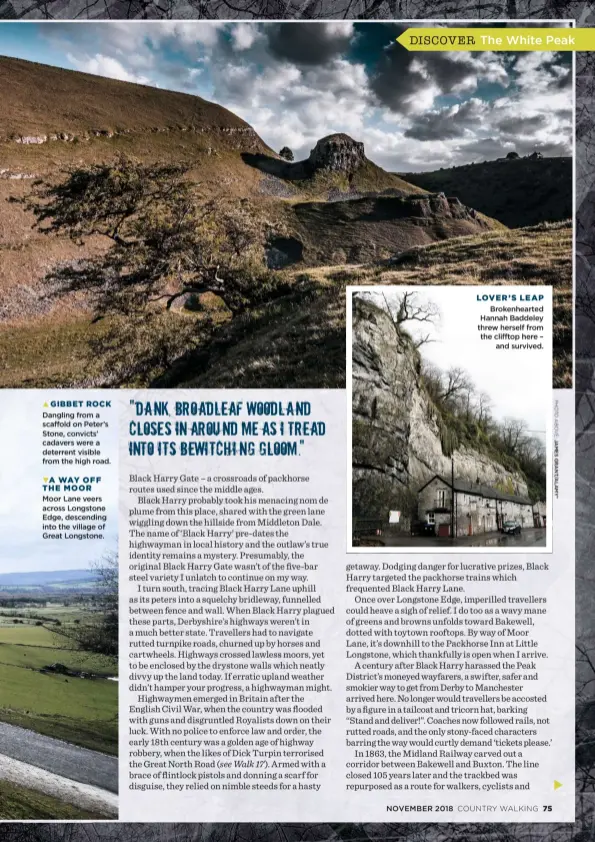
466	487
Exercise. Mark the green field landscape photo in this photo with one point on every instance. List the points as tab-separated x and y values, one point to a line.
59	693
183	205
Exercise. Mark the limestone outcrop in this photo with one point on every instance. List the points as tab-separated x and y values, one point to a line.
398	434
338	153
230	134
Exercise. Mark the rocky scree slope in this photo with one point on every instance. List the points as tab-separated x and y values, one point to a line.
377	227
398	434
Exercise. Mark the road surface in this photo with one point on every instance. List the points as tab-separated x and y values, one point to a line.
60	758
94	800
527	538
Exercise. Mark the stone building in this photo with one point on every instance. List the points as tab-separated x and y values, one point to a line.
477	508
539	514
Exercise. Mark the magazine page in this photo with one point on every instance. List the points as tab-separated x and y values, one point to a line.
287	511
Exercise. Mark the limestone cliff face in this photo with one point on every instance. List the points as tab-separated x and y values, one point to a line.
397	434
337	152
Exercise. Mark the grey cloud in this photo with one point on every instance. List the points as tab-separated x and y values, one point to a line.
307	43
178	74
543	73
521	125
447	123
400	76
449	73
394	82
564	81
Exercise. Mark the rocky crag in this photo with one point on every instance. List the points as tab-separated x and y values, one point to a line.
399	438
337	153
366	213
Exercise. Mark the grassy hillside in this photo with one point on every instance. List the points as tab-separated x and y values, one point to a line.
371	228
300	180
102	119
39	99
299	340
296	342
540	254
518	192
367	178
18	803
78	710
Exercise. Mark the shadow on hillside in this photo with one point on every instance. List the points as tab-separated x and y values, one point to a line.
277	167
372	207
280	344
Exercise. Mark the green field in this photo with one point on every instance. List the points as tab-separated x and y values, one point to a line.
27	635
19	803
79	710
37	657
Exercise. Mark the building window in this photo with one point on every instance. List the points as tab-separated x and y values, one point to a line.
431	518
441	499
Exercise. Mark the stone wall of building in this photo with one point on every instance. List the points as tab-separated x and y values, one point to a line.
474	514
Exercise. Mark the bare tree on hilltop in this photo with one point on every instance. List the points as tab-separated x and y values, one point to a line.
407	309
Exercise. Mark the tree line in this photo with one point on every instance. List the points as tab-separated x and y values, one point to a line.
469	409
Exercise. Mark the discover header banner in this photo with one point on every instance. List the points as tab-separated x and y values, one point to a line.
519	40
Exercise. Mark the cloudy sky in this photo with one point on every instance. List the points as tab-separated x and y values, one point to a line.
296	82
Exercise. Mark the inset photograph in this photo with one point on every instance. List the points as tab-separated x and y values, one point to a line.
59	619
183	205
451	393
59	692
